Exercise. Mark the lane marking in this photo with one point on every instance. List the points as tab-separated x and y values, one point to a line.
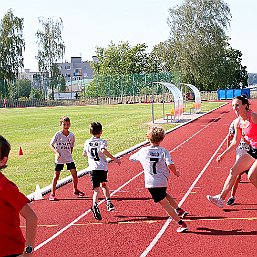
81	216
144	221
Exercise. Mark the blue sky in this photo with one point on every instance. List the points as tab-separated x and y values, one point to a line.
88	24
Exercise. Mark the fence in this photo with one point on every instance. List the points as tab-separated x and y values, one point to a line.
147	98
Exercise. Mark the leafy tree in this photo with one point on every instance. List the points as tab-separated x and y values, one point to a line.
51	49
199	47
12	46
62	84
121	59
21	88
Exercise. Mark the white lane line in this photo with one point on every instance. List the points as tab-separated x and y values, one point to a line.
168	221
81	216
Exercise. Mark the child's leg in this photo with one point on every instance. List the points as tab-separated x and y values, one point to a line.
54	182
74	179
95	195
105	189
172	202
169	209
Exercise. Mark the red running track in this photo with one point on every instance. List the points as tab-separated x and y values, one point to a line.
138	227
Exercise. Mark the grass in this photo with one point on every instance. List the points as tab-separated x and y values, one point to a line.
33	128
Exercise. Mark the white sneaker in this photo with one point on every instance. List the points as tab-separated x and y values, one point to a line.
216	200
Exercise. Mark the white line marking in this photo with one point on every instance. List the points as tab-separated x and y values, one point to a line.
81	216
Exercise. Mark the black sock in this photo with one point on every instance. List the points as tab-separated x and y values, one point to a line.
180	222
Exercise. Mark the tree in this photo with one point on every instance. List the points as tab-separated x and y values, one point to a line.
121	59
51	49
198	43
21	88
12	46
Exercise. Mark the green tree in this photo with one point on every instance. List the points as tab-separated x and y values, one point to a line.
51	49
198	43
21	88
12	46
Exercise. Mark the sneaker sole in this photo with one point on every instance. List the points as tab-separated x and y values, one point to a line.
182	230
215	203
97	216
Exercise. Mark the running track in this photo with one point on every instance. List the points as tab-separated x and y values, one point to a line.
138	227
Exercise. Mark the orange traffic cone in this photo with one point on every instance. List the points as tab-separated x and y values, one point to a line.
20	151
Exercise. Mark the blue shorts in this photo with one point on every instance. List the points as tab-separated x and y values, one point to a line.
158	193
70	166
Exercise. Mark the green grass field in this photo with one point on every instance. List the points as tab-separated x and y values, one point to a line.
32	129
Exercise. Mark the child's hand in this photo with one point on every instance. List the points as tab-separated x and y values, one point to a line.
57	155
176	173
117	161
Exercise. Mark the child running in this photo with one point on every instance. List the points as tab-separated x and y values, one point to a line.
96	150
62	145
157	164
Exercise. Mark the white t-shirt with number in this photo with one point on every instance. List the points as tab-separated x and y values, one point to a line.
155	161
63	145
92	149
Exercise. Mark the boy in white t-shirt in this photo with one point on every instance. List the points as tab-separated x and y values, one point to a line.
157	164
95	149
62	145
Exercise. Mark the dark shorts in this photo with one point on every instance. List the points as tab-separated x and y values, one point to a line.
157	193
252	152
70	166
98	176
14	255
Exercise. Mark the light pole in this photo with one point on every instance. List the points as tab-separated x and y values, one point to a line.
96	61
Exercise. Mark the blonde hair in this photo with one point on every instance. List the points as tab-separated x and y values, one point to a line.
155	134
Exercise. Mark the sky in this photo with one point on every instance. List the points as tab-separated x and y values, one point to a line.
89	24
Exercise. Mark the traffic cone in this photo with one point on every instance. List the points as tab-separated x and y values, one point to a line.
38	194
20	151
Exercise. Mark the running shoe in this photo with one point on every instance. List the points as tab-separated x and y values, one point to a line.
79	193
96	212
181	213
216	200
231	200
182	228
52	197
110	206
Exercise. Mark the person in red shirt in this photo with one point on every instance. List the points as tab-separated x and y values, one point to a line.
13	203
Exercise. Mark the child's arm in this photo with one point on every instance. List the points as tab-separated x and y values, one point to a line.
106	153
173	169
57	154
31	225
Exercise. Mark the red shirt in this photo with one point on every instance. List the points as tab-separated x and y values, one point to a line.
11	202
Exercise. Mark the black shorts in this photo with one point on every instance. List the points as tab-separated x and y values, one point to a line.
252	152
70	166
98	176
158	193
